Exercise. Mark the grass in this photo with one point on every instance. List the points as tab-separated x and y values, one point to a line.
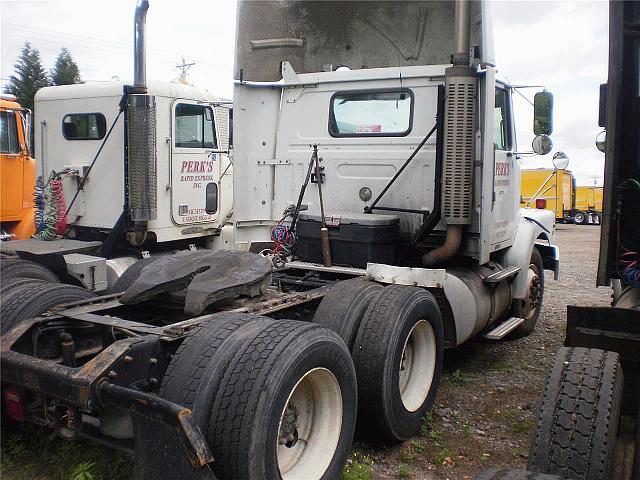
458	377
403	471
443	456
32	453
356	471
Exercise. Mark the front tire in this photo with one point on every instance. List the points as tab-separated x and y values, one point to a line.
398	356
531	307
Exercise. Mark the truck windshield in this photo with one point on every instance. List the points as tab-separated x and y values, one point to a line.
9	143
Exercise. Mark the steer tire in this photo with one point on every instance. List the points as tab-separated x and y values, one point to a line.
30	301
16	267
342	309
402	328
130	275
579	415
520	308
514	474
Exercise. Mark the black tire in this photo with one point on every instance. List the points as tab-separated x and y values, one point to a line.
203	357
10	284
130	275
30	301
342	309
578	418
521	309
378	352
579	217
514	474
12	268
256	364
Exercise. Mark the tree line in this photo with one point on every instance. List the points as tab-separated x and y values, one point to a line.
30	74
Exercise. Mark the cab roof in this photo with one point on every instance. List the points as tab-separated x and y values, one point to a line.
173	89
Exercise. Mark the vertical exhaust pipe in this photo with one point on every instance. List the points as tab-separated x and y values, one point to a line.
457	171
139	42
141	138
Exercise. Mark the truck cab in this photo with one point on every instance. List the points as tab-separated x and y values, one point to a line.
17	171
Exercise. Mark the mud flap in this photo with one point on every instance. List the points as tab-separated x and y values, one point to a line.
168	444
160	452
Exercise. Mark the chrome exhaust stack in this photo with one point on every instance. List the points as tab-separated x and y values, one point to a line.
139	42
141	137
459	119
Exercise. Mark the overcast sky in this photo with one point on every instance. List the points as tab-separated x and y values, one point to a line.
562	45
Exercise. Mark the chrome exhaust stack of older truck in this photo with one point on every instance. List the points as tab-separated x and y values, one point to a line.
141	136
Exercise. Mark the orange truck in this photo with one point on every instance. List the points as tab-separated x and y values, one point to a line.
17	172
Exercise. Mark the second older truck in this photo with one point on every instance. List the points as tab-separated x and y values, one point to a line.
17	172
375	171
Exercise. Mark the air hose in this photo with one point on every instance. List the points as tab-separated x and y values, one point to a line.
50	206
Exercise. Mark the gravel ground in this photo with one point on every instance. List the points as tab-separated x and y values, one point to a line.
482	417
484	411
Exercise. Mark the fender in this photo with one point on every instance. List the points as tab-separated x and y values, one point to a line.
534	227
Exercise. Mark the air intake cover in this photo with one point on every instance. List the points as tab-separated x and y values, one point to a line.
142	170
460	84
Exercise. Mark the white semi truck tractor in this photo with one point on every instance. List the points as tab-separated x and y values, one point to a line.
127	170
375	223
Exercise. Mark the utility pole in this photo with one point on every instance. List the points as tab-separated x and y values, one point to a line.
184	68
595	180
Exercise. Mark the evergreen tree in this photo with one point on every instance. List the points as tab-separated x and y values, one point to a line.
29	78
65	71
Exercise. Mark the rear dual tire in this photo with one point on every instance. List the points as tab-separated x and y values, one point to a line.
35	298
17	268
276	399
398	355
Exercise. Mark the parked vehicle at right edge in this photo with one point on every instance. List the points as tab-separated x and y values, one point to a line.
587	426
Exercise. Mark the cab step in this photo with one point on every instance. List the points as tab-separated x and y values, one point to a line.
504	328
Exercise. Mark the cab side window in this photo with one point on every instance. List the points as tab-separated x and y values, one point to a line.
501	137
194	126
9	143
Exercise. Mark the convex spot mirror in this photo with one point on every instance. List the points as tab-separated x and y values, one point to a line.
601	141
543	113
542	144
560	161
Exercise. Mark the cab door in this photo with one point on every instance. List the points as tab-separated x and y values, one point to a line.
12	160
506	182
195	168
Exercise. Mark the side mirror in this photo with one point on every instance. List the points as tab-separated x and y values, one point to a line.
602	106
542	144
543	113
601	141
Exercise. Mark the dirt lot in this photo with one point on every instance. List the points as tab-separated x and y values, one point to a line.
482	417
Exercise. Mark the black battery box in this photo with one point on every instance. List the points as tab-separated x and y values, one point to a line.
355	238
